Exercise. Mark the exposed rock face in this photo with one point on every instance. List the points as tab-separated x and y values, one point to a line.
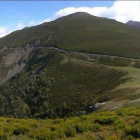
13	57
134	23
95	106
13	71
12	62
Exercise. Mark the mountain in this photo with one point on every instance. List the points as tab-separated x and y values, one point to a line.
80	32
134	23
74	65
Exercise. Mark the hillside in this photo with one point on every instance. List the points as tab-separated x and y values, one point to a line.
134	23
80	32
57	83
123	124
72	66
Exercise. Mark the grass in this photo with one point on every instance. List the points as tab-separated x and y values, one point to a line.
81	79
121	124
122	62
134	75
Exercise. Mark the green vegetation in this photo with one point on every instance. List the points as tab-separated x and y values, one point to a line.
64	86
57	84
80	32
112	125
122	62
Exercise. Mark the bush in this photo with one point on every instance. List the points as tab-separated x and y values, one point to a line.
102	98
8	129
34	125
82	127
58	121
70	131
129	138
42	137
3	136
47	134
106	120
95	128
134	130
114	137
119	124
21	130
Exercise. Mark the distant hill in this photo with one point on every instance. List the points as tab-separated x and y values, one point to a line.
134	23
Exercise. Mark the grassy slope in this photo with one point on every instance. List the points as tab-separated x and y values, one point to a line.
134	73
81	32
109	125
72	82
52	80
81	80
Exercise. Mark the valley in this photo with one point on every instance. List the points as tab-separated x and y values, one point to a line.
74	78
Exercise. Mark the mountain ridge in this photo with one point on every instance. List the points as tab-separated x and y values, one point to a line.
135	24
74	32
92	60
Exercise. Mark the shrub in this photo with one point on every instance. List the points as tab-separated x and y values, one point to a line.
70	131
58	121
102	98
95	127
49	135
119	124
45	134
41	136
82	127
21	130
8	129
106	120
34	125
129	138
114	137
3	136
134	130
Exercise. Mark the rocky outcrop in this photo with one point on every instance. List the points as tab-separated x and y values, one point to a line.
12	62
95	107
13	71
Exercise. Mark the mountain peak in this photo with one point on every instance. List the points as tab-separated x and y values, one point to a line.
81	14
133	23
130	21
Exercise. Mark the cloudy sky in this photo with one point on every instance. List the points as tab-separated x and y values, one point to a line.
19	14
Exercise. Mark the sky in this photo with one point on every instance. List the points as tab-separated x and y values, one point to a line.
15	15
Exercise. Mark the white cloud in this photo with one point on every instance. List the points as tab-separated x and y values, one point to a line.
4	31
94	11
20	25
32	23
122	11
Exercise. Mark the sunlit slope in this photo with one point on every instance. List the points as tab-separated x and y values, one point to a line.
55	84
80	32
122	124
59	84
